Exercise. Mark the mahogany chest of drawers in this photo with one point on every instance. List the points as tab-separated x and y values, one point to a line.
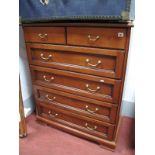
78	72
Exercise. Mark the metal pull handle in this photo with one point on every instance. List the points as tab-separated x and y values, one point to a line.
42	36
42	57
45	78
91	111
50	99
91	38
93	65
52	115
92	90
44	2
89	128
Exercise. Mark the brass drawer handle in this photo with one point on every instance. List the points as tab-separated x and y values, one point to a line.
93	65
92	90
50	99
42	36
91	38
42	57
45	78
52	115
91	111
89	128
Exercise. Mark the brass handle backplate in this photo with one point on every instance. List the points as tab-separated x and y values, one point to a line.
48	80
89	128
92	38
50	99
42	36
52	115
92	90
91	111
93	65
45	58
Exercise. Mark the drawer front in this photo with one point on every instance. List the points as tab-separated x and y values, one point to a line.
45	34
97	37
93	127
93	61
81	105
85	85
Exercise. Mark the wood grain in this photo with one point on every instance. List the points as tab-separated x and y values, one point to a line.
76	83
85	72
102	129
81	105
100	37
74	59
22	123
45	35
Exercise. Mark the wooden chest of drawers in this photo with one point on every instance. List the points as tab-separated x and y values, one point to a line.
78	72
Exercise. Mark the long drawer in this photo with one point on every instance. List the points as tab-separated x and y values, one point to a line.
99	88
100	62
86	124
97	37
88	107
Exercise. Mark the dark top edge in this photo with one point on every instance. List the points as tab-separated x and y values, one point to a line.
73	18
84	23
77	20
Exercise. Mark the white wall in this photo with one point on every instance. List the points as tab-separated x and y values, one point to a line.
25	78
129	87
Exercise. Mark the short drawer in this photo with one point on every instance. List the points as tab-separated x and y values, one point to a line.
97	37
86	124
45	34
83	106
100	62
103	89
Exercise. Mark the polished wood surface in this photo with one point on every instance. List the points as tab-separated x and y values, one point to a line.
101	62
91	126
78	84
85	85
45	35
22	122
100	110
106	143
100	37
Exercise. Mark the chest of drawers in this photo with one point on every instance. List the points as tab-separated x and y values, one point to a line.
78	72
